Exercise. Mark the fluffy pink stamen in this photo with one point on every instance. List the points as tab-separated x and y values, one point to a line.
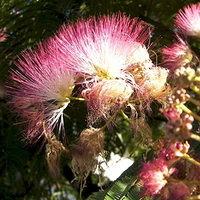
39	91
101	47
188	20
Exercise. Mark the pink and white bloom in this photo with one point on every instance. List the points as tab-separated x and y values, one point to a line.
152	82
188	20
40	89
106	97
154	176
102	48
140	57
177	55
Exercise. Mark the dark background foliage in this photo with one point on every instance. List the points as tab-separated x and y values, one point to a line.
23	169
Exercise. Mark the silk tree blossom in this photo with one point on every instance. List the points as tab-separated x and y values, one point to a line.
104	51
150	79
140	58
154	176
102	48
106	97
188	20
40	90
177	55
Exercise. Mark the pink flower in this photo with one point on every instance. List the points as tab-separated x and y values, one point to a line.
106	48
102	48
174	152
40	89
178	54
106	97
152	82
154	176
140	57
188	20
171	112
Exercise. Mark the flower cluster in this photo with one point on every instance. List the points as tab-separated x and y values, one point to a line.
181	61
156	174
40	91
188	20
106	58
178	54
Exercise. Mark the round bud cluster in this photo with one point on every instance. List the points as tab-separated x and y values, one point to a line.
184	76
172	111
180	96
175	151
178	129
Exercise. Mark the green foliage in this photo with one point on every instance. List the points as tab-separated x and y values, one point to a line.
158	13
28	22
126	187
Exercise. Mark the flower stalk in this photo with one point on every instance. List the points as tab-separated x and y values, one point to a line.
195	137
77	98
196	79
125	116
194	101
188	111
190	159
195	89
172	180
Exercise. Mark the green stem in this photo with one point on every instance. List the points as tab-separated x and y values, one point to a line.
77	98
67	116
188	111
135	100
194	101
136	147
195	89
192	160
195	137
109	120
125	116
196	79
